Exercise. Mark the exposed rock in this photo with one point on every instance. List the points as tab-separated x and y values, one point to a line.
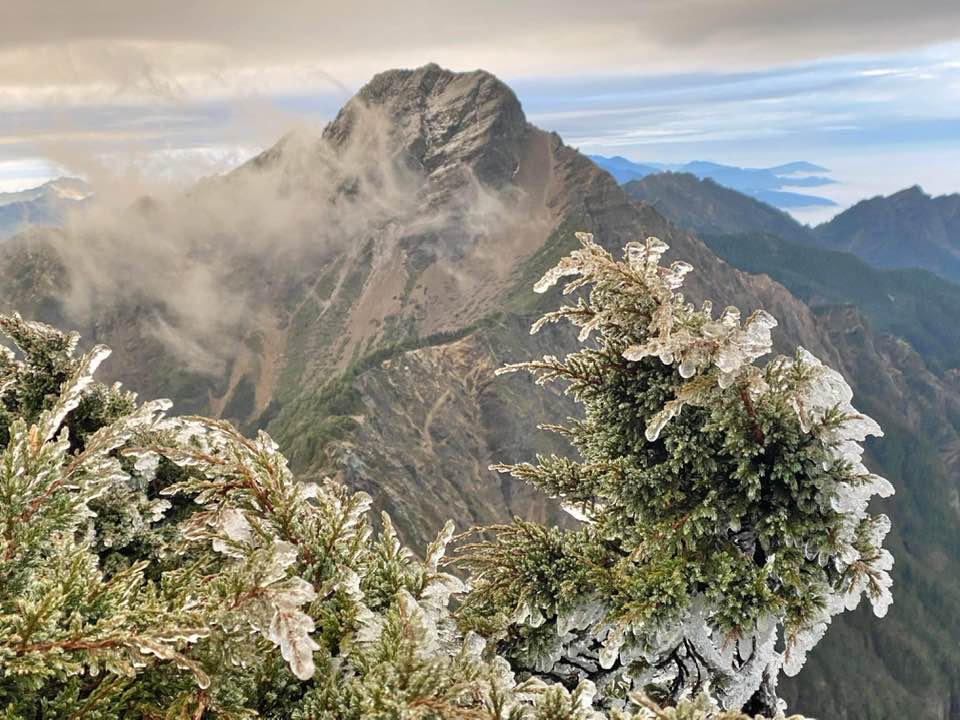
443	123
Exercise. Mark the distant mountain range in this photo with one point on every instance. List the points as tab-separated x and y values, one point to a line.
908	229
897	257
764	184
44	205
705	206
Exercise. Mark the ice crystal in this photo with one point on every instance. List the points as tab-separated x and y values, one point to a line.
73	390
233	524
290	629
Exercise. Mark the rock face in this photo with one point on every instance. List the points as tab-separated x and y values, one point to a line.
534	192
367	344
445	124
432	422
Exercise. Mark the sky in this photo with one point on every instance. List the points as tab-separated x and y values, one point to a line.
867	88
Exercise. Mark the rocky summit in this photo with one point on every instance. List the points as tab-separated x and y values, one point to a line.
446	125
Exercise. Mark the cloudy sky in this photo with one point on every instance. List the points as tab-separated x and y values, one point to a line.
868	88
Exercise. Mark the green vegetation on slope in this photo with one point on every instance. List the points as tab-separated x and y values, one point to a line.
313	420
916	305
705	206
906	229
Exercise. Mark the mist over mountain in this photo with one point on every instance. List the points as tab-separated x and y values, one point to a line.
352	292
765	184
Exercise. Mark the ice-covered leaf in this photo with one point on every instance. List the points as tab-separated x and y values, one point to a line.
290	629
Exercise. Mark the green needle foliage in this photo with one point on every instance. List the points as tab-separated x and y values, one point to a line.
724	504
168	567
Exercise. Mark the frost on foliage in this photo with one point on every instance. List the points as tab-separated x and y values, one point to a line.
773	505
369	625
255	564
290	627
73	390
814	392
439	587
692	339
71	604
736	665
233	531
265	563
700	707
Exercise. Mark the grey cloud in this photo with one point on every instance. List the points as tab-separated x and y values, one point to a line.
148	45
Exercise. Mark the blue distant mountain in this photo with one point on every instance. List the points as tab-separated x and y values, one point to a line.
624	170
797	167
788	200
765	184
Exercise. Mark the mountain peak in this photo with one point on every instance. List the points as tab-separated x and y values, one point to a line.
44	205
69	188
912	192
423	80
909	228
438	118
798	166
